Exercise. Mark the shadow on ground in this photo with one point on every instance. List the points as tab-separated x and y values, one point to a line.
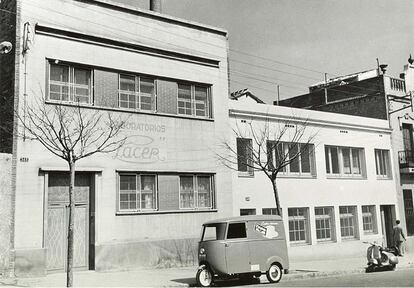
219	283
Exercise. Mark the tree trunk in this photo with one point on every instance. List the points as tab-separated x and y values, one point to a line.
69	266
276	193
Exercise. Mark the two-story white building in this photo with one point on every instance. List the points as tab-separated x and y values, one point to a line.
339	192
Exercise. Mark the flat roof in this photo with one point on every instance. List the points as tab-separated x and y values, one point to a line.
159	16
245	218
312	117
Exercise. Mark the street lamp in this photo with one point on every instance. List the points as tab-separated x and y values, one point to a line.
5	47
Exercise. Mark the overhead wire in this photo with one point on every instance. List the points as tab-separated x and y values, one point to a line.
173	44
234	60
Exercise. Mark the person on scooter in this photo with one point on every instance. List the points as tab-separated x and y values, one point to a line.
398	237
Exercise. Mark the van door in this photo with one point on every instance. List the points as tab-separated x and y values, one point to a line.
237	249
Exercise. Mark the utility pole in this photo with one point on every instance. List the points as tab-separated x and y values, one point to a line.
378	67
278	95
326	91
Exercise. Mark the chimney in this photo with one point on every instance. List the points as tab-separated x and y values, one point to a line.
155	5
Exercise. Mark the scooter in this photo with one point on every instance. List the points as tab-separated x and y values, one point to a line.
380	258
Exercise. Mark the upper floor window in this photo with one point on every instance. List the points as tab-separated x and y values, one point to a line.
136	92
193	100
382	163
244	156
345	161
69	83
299	157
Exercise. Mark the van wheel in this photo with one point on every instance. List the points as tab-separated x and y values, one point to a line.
204	277
274	274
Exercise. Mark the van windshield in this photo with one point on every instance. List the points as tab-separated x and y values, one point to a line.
214	232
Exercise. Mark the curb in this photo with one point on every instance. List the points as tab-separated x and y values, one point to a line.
320	274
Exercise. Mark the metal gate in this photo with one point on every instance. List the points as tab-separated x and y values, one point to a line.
58	220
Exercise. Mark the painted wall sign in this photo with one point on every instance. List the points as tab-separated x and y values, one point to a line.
143	144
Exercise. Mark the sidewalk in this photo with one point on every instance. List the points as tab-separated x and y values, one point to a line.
185	276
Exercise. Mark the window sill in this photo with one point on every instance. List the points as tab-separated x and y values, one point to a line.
297	176
325	241
245	175
294	244
118	213
68	103
384	178
349	239
117	109
370	233
343	177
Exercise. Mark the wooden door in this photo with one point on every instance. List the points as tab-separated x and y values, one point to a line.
58	220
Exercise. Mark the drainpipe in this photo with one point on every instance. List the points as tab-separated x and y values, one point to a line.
155	5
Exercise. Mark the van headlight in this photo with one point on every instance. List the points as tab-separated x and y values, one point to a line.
202	251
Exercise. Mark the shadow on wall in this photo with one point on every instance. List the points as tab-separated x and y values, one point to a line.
133	255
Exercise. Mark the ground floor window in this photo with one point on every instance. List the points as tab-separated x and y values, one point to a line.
324	221
369	219
298	225
244	212
137	192
141	192
408	209
347	215
269	211
195	192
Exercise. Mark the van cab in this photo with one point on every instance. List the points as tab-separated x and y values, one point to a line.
243	247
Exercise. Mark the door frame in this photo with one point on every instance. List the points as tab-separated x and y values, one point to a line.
387	213
90	232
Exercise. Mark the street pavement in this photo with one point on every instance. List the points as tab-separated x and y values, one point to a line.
399	278
301	274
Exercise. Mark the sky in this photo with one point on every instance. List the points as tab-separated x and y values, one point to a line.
298	41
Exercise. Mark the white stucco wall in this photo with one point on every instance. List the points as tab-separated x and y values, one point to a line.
323	190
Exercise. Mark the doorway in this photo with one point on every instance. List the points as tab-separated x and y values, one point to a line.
57	218
387	212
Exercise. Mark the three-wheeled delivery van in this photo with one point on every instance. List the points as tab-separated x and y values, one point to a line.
243	247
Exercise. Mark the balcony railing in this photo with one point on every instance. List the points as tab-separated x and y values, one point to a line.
397	84
406	158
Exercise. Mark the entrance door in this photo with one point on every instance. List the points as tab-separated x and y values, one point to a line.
58	220
387	224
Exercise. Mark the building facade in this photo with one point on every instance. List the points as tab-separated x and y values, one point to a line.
144	203
339	192
376	95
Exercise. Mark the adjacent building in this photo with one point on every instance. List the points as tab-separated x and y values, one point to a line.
143	204
375	94
334	194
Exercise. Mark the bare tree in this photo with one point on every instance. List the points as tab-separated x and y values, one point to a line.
268	147
71	132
